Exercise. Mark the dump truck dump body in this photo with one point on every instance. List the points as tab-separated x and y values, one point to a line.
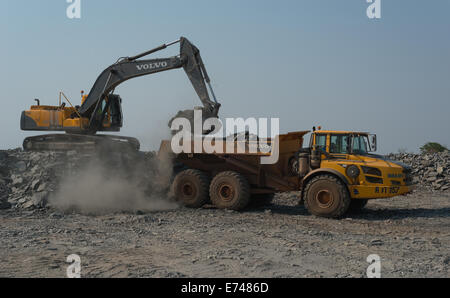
264	178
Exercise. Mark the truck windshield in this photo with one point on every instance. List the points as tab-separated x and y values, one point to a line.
344	144
360	144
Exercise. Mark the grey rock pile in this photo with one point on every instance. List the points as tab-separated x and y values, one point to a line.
431	171
28	178
4	181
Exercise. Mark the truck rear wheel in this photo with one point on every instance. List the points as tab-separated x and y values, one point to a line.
191	187
326	196
230	190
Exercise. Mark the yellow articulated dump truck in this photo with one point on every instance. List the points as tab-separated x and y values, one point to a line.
334	174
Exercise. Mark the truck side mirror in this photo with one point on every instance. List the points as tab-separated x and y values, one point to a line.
373	142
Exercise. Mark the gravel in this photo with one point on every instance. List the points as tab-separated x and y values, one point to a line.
409	233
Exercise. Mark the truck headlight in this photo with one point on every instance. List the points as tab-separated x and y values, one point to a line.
352	171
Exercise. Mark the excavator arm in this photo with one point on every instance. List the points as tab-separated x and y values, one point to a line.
131	67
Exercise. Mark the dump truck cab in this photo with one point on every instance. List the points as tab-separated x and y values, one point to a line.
349	156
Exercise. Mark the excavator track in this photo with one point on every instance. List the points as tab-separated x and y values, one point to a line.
78	142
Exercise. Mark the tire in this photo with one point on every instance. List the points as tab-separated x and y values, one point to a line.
230	190
327	196
258	200
191	187
357	205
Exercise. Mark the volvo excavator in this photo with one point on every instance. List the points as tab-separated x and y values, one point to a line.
101	109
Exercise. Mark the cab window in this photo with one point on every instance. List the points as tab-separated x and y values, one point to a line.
321	142
360	145
339	144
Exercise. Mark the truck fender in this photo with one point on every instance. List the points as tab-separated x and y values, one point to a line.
323	171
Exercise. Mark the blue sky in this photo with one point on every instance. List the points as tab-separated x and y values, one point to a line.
310	62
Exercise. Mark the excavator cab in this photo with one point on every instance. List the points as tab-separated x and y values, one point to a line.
116	112
110	114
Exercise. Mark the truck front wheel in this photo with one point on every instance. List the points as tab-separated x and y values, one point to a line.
190	187
327	196
230	190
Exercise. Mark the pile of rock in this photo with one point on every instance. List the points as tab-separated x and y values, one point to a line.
28	178
430	171
4	181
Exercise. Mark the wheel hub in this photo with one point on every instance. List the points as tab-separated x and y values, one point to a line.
188	190
226	192
324	198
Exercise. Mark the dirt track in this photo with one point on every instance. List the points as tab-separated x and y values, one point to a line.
410	234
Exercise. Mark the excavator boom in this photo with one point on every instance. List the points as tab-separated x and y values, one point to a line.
130	67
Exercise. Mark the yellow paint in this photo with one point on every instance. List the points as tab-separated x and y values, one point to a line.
60	118
56	118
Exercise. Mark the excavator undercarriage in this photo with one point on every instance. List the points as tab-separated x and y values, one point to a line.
78	142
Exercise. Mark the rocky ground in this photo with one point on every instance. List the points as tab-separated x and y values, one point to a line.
411	234
430	171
